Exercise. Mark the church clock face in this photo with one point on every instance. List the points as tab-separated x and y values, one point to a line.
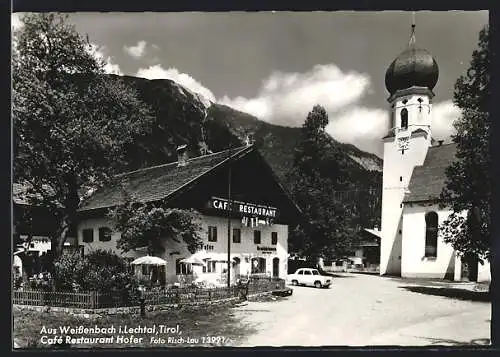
403	143
403	140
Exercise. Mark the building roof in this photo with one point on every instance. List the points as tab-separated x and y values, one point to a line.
158	182
428	180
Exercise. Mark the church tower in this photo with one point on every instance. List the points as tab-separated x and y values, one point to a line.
410	79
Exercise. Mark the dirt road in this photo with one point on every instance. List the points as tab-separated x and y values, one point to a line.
361	310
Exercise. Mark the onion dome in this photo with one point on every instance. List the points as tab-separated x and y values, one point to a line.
413	67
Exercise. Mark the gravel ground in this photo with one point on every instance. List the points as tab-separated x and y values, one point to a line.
367	310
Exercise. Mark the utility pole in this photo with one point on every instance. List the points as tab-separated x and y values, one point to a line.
229	221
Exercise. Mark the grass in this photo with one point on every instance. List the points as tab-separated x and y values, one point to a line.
196	323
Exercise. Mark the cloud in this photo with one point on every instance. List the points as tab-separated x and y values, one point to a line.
184	79
136	51
286	98
109	66
360	126
16	22
443	116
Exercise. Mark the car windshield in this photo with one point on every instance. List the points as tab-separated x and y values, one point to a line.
315	272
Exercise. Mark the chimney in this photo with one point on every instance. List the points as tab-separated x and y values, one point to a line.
182	155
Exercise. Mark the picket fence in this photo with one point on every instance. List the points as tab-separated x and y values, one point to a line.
96	300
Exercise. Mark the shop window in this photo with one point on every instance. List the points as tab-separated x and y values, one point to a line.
209	267
258	265
104	234
88	235
274	238
236	235
339	263
256	237
431	234
404	118
212	234
183	268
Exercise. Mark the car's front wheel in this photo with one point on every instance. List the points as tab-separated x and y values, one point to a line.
295	282
317	284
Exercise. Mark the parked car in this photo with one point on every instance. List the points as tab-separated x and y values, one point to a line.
309	276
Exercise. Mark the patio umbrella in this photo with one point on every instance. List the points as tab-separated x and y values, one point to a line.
195	259
149	260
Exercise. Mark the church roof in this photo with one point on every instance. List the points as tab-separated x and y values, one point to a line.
158	182
428	180
414	67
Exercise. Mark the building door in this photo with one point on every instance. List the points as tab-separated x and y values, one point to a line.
276	267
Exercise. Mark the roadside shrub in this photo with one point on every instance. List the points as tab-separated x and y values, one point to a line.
100	271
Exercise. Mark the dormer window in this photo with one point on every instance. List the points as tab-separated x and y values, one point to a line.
404	118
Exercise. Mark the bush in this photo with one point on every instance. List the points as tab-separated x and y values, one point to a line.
100	271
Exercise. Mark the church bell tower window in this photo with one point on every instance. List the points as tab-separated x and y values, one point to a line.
404	118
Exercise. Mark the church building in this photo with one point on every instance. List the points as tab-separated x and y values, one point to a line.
413	177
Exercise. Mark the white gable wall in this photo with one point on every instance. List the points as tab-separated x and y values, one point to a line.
244	250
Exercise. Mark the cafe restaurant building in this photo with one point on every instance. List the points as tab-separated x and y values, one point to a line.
235	191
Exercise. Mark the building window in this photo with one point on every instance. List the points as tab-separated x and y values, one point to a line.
274	238
212	234
256	237
104	234
183	268
258	265
236	235
88	235
404	118
209	267
431	234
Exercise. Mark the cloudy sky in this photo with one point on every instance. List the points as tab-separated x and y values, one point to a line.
277	66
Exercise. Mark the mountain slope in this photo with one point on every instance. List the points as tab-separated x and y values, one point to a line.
183	117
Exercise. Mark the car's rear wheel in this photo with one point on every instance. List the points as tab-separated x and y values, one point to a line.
295	282
317	284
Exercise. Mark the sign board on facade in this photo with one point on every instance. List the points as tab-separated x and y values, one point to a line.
243	208
267	249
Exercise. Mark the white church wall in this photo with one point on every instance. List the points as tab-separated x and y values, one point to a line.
414	263
397	171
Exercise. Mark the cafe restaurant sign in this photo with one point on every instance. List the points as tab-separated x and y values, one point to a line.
243	208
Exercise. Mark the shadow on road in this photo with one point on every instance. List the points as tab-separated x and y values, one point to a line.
333	275
453	293
442	341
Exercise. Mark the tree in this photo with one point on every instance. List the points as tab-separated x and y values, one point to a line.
468	180
100	271
316	177
148	225
71	123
